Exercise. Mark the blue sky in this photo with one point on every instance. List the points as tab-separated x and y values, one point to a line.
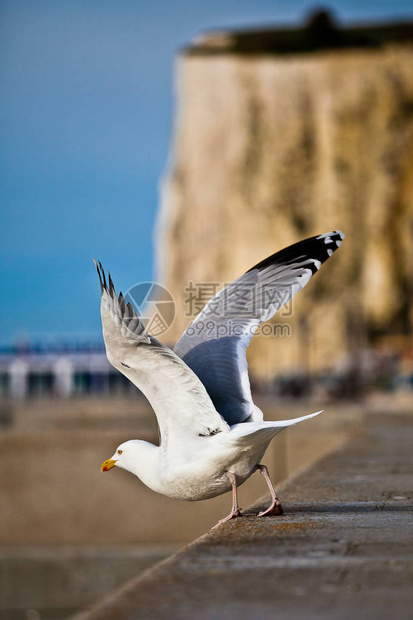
86	102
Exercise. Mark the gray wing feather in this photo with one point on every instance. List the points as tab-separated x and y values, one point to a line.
215	343
180	401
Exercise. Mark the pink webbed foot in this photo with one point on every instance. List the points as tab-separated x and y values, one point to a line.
232	515
274	510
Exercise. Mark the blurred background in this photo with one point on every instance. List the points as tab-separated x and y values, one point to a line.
183	142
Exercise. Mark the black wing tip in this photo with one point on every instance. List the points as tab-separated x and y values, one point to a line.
98	268
102	279
334	235
318	249
127	311
111	286
102	271
332	241
122	302
131	310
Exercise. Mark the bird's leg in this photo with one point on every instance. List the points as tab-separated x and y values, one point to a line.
235	510
275	508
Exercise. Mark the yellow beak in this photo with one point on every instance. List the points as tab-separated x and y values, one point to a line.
108	465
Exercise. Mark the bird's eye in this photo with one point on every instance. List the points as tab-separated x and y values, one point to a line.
119	451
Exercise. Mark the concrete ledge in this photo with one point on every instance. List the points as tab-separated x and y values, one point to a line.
343	548
57	581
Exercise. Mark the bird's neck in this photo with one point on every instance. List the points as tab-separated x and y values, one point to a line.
144	463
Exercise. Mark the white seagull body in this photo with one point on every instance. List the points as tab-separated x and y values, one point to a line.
213	437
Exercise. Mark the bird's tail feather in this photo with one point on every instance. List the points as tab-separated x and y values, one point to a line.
265	428
284	423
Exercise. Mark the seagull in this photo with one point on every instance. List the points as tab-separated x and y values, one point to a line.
212	435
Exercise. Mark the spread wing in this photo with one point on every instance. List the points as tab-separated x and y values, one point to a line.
215	343
180	401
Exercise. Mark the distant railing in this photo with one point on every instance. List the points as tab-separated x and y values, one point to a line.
59	371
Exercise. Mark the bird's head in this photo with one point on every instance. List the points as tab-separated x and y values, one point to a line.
121	458
135	456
